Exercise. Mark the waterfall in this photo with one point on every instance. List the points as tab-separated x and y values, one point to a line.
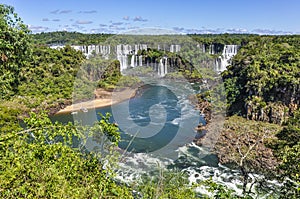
132	64
203	48
174	48
217	64
160	68
163	67
103	50
225	59
177	47
138	47
97	50
211	49
123	61
141	60
122	52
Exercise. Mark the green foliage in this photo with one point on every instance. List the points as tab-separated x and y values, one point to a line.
221	39
128	81
266	68
68	38
110	130
9	113
248	140
290	135
15	52
219	191
39	162
139	71
175	75
45	160
287	149
110	75
50	78
165	184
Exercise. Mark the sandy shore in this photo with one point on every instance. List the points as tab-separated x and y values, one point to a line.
103	98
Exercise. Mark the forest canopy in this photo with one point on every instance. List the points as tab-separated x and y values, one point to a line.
39	158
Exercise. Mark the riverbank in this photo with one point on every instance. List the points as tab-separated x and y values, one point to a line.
103	98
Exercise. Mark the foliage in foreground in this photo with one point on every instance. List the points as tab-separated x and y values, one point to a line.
15	51
166	184
288	151
46	160
40	162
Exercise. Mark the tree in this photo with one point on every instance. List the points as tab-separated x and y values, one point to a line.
263	80
43	161
15	50
244	143
288	150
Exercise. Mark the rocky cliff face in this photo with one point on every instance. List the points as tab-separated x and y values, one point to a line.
263	82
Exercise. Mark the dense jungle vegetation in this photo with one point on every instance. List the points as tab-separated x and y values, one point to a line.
39	159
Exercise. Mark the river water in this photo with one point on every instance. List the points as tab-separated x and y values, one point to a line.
157	130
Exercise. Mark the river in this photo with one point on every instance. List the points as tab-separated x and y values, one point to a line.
157	129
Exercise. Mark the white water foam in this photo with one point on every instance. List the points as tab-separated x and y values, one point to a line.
134	165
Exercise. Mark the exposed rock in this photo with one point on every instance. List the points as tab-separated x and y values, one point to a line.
272	112
240	136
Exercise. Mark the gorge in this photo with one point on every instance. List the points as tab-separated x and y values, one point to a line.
199	162
158	115
163	59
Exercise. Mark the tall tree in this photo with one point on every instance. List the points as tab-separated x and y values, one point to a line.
15	50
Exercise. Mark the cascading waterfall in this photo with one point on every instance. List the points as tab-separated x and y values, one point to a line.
201	47
132	64
136	60
91	48
160	68
141	60
104	51
212	49
225	59
166	65
140	47
175	48
124	50
163	67
123	61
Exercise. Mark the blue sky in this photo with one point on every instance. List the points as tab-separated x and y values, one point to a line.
189	16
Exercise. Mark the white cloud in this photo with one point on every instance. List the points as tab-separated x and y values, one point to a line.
126	18
54	12
117	23
271	32
37	29
65	11
88	11
83	22
60	11
139	18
